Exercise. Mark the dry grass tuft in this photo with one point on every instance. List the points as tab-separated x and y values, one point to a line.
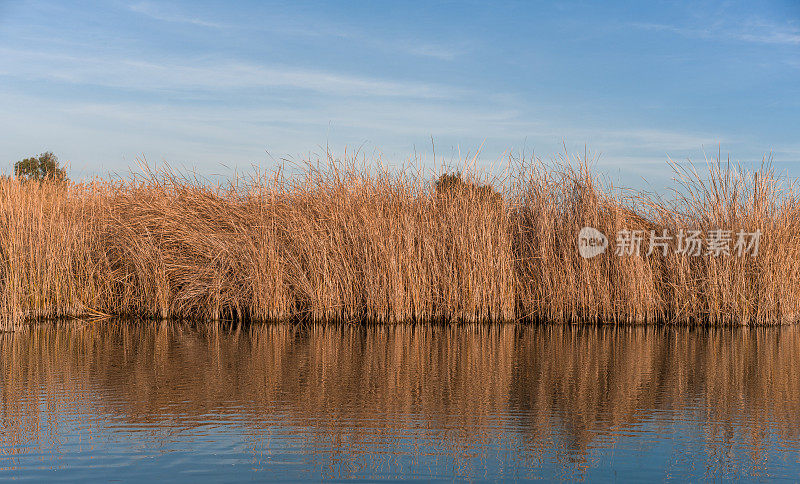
344	243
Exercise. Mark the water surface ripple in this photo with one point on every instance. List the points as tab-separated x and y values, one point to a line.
135	401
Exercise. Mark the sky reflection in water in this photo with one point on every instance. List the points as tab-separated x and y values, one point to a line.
135	401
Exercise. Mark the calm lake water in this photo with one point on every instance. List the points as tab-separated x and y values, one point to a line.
134	401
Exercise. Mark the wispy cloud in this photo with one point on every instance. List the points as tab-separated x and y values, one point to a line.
211	137
754	31
417	48
655	139
294	28
145	75
434	51
158	12
768	35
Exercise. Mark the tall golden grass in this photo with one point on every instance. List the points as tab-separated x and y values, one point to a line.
346	243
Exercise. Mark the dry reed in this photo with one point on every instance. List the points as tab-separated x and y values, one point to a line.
341	242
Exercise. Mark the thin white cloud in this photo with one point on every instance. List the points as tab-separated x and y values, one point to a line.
653	139
440	52
136	74
420	49
766	37
302	28
99	137
659	27
157	12
760	32
386	123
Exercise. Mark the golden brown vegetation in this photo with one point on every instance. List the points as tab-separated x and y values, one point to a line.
349	244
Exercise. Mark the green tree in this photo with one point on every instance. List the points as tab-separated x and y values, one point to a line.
43	167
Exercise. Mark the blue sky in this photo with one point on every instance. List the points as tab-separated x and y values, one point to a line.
217	88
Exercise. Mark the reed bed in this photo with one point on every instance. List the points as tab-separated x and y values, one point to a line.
342	242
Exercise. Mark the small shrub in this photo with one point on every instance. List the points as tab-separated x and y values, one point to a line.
449	183
43	167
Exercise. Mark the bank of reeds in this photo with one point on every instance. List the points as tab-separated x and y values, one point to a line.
344	243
